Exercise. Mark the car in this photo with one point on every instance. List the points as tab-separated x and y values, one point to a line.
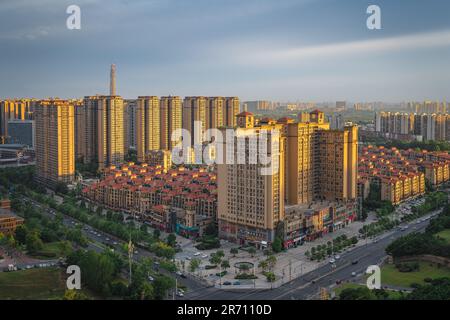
227	283
181	290
197	254
353	274
204	256
236	283
338	282
180	294
150	278
332	261
107	239
183	276
337	257
179	273
188	258
115	243
355	262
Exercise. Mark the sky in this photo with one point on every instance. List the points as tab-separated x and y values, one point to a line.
283	50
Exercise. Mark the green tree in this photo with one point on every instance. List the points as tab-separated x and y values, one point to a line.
194	265
171	240
277	245
234	251
156	234
34	242
225	264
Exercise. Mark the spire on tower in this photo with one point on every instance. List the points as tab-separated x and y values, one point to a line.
112	85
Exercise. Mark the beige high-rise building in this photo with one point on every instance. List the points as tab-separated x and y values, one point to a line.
104	130
194	110
55	147
338	164
321	163
232	107
251	204
171	120
147	122
215	112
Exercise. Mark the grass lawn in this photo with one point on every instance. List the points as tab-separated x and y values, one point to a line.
33	284
445	234
391	276
344	286
52	248
393	295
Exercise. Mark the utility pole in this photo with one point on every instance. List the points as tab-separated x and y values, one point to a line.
290	270
130	258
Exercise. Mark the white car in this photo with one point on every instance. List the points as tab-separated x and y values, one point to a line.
353	274
332	261
337	257
204	256
197	254
180	294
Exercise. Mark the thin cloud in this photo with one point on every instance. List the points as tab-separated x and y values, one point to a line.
264	56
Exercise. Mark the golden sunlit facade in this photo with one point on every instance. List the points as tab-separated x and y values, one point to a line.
251	204
103	130
171	120
55	143
148	132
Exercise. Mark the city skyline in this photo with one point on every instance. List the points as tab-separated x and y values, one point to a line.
291	50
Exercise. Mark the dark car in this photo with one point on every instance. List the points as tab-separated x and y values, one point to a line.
338	282
355	262
227	283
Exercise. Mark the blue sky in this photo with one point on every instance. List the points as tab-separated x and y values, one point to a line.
310	50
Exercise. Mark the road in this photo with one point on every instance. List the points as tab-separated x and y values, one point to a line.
100	241
308	286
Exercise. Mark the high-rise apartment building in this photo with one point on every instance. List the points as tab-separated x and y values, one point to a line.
104	130
251	204
232	108
215	112
194	110
423	126
321	164
129	123
170	120
147	122
55	147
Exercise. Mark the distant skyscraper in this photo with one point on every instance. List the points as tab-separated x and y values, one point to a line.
171	120
232	106
194	109
215	112
147	122
55	148
112	86
104	130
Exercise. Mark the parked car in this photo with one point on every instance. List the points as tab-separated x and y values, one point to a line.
355	262
236	283
227	283
353	274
